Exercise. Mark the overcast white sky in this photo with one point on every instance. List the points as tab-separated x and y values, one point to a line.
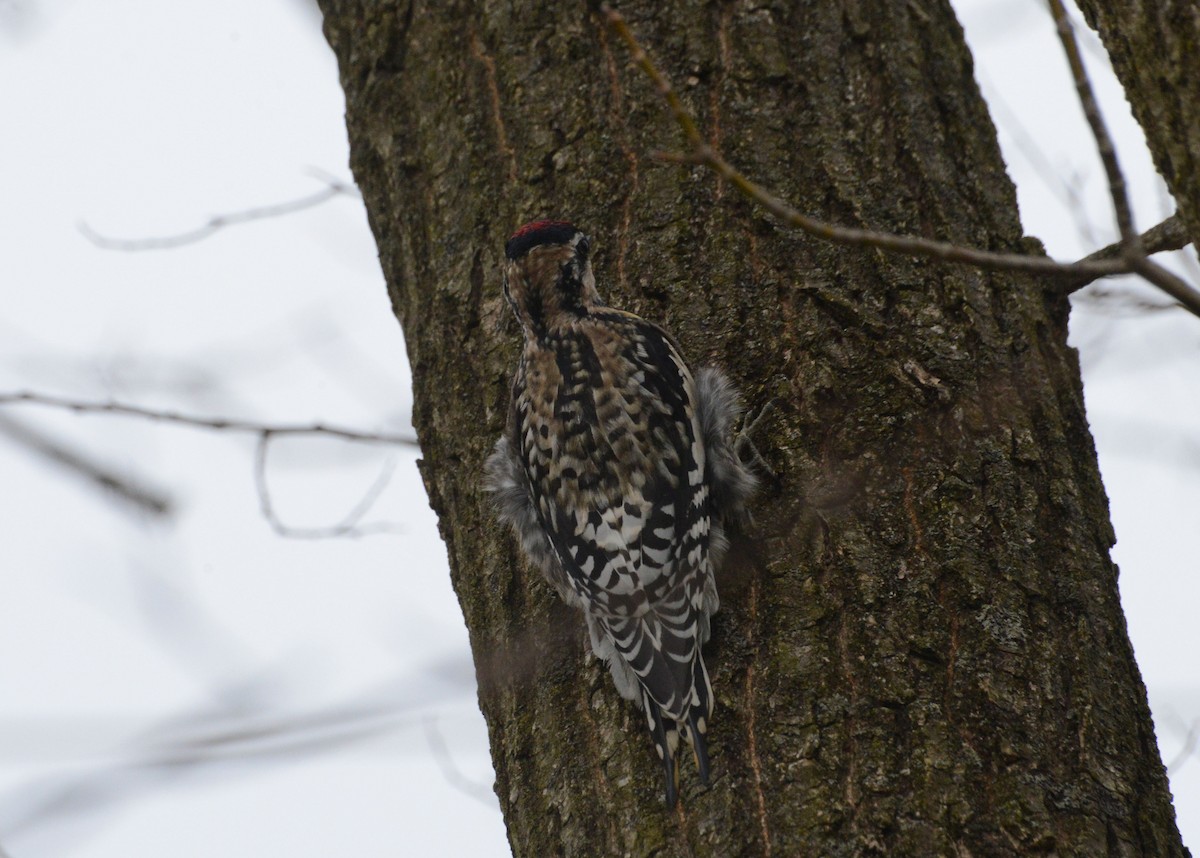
129	642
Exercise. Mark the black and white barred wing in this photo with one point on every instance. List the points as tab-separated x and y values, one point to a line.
608	442
635	541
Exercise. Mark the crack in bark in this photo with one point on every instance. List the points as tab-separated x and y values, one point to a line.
910	508
681	816
726	54
851	746
489	65
751	741
951	658
627	151
753	258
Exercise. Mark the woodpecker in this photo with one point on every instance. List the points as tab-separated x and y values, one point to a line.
617	473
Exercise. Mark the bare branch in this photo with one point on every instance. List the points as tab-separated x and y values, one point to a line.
1091	110
1132	249
333	188
1066	190
1189	748
1115	300
1169	283
703	154
209	738
225	424
133	491
1171	234
348	526
706	156
437	745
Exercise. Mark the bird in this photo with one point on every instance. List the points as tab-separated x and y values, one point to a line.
618	474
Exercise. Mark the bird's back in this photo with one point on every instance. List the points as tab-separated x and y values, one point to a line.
605	419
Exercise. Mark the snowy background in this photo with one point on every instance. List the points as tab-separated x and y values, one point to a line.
194	683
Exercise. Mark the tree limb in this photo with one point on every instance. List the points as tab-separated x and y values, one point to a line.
333	188
705	155
1132	250
138	494
219	423
348	526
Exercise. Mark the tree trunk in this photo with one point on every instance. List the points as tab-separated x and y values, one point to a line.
920	649
1154	46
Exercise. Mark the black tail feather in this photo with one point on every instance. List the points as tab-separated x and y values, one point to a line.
671	773
664	731
668	732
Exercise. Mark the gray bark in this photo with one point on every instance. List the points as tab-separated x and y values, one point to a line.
921	649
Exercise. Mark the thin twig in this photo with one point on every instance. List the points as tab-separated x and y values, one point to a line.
1168	282
333	188
348	526
1189	748
1114	300
705	155
1132	250
1171	234
1067	192
453	775
1104	143
220	423
208	738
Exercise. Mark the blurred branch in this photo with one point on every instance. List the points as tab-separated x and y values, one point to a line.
207	738
185	627
1116	300
1095	120
1132	249
703	154
127	488
1189	748
1066	190
1171	234
453	775
333	188
349	526
224	424
15	17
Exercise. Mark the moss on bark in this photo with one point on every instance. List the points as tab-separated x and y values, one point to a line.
921	649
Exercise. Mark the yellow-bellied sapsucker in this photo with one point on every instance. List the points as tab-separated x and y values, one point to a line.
617	472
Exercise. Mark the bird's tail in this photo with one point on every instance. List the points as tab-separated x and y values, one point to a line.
667	731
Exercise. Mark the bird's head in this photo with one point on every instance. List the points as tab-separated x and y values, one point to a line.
548	277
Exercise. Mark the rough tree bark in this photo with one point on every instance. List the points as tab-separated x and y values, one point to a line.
921	649
1154	46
